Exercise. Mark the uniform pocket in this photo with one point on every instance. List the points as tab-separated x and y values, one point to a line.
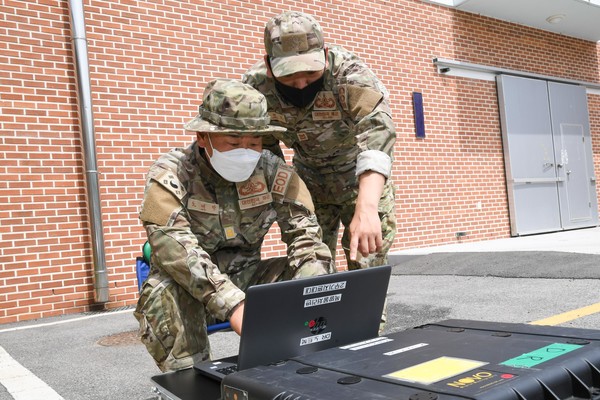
207	226
152	312
255	223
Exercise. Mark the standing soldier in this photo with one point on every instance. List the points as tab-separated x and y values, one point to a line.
340	127
206	211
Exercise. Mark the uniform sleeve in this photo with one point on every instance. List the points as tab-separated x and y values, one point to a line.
176	250
307	254
367	101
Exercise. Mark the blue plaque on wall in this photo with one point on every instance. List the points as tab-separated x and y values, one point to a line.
419	117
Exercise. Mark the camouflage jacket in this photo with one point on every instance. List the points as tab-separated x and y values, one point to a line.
202	228
346	131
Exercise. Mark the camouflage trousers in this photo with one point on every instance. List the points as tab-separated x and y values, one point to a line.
330	216
173	323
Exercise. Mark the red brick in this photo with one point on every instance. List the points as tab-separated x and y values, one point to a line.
147	76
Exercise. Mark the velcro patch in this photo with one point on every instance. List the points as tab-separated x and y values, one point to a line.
229	232
277	117
282	180
159	203
255	201
298	193
343	97
294	42
326	115
325	101
362	100
170	182
302	136
254	186
203	206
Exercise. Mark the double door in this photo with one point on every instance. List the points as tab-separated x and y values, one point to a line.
548	155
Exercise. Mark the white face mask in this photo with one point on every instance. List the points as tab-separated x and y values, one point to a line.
234	165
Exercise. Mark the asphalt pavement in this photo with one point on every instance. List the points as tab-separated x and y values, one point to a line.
550	279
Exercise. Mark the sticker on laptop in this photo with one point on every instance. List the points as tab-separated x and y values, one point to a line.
319	301
327	287
316	326
315	339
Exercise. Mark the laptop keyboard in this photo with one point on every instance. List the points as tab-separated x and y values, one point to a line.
227	370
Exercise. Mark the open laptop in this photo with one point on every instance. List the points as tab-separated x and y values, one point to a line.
293	318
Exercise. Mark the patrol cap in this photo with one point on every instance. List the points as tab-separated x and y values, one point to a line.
294	43
230	106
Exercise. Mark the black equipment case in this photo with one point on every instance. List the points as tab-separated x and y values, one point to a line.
453	359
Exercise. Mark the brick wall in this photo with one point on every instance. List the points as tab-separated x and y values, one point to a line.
149	61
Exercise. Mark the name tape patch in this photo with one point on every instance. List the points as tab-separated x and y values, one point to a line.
202	206
326	115
255	201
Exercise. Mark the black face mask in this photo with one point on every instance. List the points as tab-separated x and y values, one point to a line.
300	97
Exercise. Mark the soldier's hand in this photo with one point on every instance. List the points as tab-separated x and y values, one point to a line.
365	233
365	228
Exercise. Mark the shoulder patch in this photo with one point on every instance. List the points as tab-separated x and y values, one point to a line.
282	180
159	203
361	100
275	116
170	182
297	192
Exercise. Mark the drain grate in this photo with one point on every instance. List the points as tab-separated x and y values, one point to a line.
99	309
120	339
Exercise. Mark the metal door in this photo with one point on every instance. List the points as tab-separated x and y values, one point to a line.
573	153
544	125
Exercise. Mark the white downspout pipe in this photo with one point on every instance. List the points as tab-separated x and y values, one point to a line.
89	146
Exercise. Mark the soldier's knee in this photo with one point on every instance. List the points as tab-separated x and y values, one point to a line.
172	326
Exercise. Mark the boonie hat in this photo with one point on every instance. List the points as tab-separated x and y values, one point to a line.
230	106
294	43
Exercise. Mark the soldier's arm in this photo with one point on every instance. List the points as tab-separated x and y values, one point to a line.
176	250
367	103
366	100
307	254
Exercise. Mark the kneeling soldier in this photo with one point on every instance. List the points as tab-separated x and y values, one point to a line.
206	211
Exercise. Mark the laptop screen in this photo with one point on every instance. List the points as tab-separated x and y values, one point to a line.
293	318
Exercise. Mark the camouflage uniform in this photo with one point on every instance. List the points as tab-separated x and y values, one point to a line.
346	131
206	235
